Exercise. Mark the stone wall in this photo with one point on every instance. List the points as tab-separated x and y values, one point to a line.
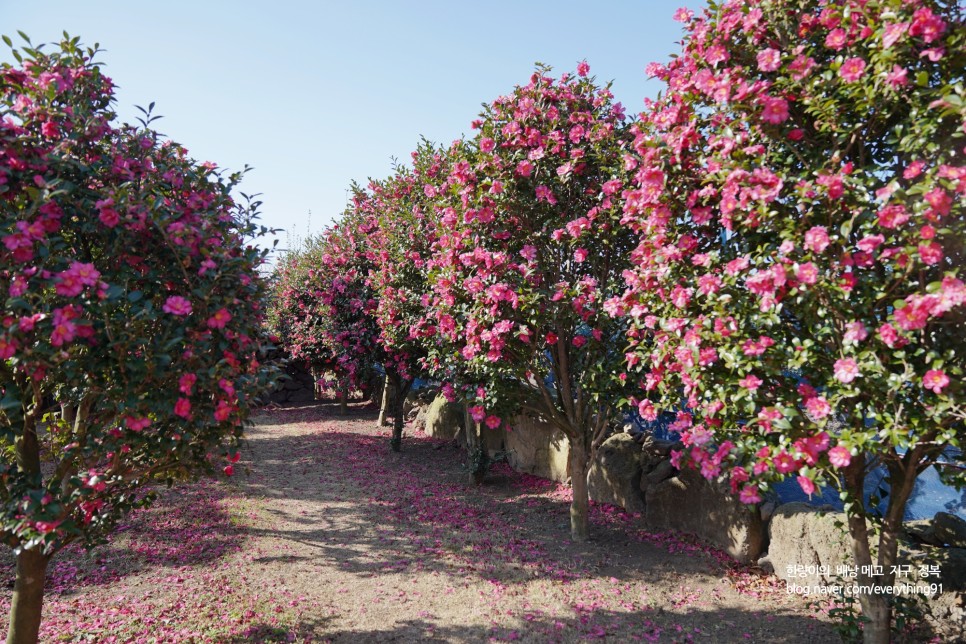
537	447
295	386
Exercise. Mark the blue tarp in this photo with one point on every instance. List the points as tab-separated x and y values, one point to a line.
929	496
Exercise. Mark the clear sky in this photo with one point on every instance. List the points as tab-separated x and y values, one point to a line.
315	95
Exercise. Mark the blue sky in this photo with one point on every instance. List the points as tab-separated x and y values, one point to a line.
315	95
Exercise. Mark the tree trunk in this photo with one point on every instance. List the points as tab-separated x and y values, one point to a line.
578	482
475	452
397	427
28	597
399	390
28	589
875	607
344	400
384	407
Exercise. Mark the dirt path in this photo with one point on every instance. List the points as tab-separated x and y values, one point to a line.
323	535
397	547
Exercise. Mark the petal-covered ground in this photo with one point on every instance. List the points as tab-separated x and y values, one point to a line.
326	535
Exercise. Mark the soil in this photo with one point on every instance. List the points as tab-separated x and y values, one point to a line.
401	547
324	534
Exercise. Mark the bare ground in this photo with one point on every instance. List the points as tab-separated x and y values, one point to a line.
323	534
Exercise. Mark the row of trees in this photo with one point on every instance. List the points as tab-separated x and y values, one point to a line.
772	252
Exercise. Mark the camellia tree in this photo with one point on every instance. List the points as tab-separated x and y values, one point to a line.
530	248
403	232
293	315
340	301
798	289
129	345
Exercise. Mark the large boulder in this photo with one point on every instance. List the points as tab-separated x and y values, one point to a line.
537	447
443	419
689	503
615	473
808	545
950	529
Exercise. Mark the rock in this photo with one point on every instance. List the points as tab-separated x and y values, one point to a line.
615	473
950	529
766	510
952	567
419	422
537	447
292	385
663	471
921	531
411	402
806	547
494	440
948	616
766	565
443	418
689	503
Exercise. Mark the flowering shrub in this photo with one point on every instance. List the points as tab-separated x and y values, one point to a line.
337	302
403	230
292	314
529	256
129	345
799	284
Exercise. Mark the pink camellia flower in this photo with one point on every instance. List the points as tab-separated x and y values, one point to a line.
228	470
774	110
750	382
816	239
855	332
477	413
223	411
870	243
806	273
136	424
888	335
836	39
683	14
487	144
583	68
524	168
931	253
785	462
647	410
769	60
936	380
49	129
579	341
493	421
183	408
749	494
893	33
551	338
926	25
186	383
68	284
580	255
818	407
807	485
219	319
852	70
846	370
898	77
177	305
7	349
839	456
